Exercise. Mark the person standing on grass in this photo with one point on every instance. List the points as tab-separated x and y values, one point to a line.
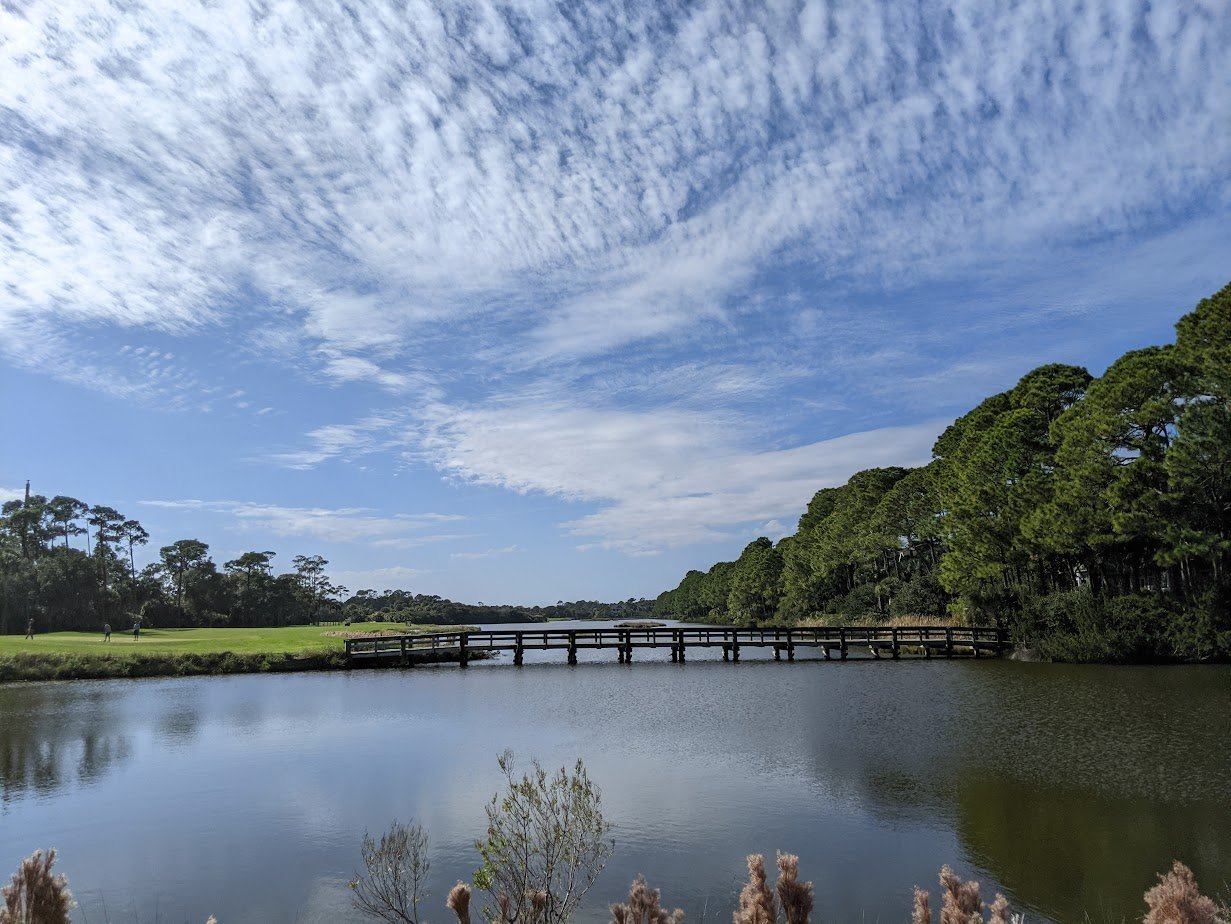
30	628
106	632
136	631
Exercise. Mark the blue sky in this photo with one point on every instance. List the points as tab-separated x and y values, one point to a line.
546	301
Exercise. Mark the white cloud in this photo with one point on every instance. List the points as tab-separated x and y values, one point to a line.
366	177
396	577
343	524
334	441
487	553
661	478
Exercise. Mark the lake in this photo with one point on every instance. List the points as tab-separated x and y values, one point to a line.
1066	787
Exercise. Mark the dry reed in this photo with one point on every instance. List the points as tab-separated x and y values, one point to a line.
1177	900
794	896
35	893
756	900
459	902
644	907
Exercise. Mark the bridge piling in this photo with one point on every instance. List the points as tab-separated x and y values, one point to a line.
896	649
463	654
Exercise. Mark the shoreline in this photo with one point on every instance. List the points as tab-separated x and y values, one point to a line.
40	667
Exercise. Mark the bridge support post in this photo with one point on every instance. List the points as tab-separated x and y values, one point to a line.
948	642
735	652
572	648
790	646
726	652
403	646
675	653
628	653
681	649
894	636
842	643
777	653
464	654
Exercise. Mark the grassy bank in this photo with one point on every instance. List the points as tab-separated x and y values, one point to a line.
182	652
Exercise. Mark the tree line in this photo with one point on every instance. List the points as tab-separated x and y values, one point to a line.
68	565
1089	516
404	606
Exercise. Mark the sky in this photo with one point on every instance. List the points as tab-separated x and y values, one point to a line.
528	302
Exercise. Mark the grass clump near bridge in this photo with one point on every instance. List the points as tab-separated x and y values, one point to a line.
180	652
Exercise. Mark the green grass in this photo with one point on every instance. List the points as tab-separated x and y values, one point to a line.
284	640
67	655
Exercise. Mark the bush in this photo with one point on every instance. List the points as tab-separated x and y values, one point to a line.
397	869
920	596
546	843
1078	626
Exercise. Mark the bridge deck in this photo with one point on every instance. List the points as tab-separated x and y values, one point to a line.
949	641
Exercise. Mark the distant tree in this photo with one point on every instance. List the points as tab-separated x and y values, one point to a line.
65	512
133	533
178	559
310	570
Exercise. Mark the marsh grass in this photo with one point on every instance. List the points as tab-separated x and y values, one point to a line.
36	895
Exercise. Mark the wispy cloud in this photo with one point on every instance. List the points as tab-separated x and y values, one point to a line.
364	177
662	478
343	524
487	553
334	441
393	577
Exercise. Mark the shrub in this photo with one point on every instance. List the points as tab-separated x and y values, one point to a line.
546	843
920	596
397	868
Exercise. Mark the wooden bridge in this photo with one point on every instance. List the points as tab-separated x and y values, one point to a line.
919	641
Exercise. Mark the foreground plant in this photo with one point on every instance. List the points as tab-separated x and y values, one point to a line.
643	907
758	904
546	843
961	904
35	895
1177	900
396	872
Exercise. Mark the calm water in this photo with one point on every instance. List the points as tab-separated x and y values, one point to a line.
246	797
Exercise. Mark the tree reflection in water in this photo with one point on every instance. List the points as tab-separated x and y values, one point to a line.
49	741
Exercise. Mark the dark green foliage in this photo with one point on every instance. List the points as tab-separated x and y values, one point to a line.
1089	517
922	596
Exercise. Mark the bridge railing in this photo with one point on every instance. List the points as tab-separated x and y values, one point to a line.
975	637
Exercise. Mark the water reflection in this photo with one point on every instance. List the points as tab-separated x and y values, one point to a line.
57	735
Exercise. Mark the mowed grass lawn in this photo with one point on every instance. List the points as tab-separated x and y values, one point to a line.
286	640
